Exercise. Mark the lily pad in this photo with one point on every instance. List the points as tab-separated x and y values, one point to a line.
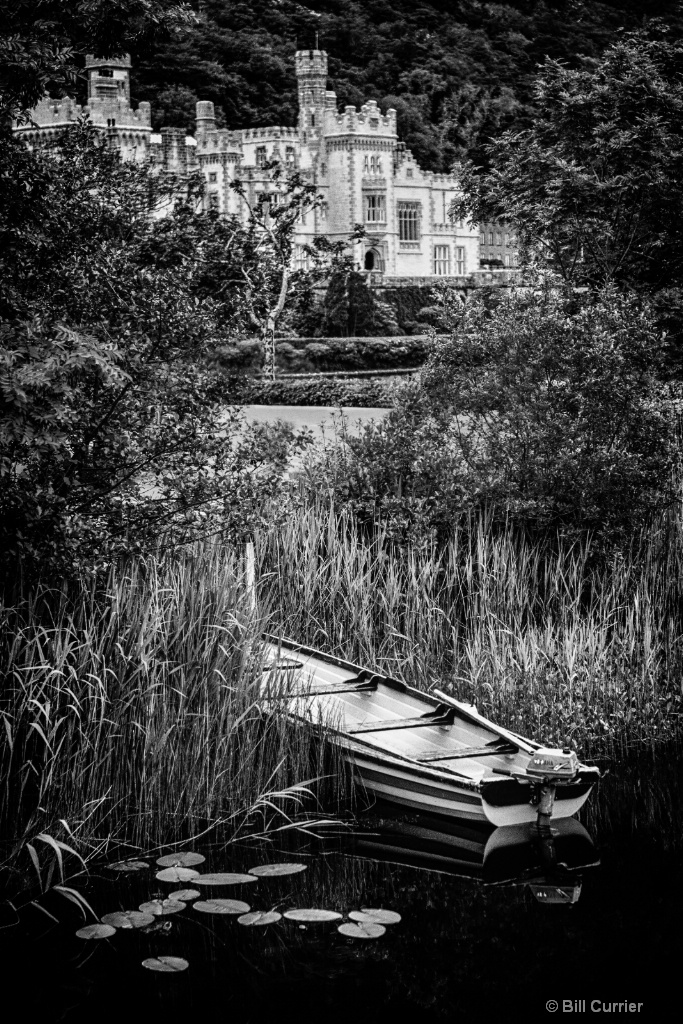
125	866
161	907
221	907
275	870
258	918
376	915
184	859
96	931
184	895
127	919
177	875
311	916
166	964
362	930
222	878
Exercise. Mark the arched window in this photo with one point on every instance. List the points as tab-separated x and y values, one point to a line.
369	260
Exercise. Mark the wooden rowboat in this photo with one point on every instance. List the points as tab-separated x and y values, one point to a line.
424	751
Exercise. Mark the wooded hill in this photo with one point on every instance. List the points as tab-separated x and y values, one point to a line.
457	72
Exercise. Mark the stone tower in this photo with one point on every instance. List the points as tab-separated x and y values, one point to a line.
311	74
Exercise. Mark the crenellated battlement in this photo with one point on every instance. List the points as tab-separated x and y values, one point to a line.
311	62
271	134
220	139
369	120
353	156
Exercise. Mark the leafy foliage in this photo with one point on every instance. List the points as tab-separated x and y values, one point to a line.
43	41
542	407
593	185
112	430
457	72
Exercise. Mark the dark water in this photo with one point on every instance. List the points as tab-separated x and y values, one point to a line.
463	950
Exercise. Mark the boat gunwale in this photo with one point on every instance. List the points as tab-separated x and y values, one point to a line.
524	745
374	752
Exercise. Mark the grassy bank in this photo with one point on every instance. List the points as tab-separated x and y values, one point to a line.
131	716
555	643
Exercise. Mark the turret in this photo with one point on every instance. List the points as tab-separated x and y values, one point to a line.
108	79
206	117
311	73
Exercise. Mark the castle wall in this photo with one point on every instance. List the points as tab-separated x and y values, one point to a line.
352	156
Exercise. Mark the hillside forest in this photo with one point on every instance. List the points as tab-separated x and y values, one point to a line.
458	72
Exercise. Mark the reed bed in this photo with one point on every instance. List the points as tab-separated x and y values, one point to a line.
130	714
131	708
551	640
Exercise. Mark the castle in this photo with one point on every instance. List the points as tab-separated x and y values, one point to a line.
352	157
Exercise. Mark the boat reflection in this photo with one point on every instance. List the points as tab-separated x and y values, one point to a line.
550	862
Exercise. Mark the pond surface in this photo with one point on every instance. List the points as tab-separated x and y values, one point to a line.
462	950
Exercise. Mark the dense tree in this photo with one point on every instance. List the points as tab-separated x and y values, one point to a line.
44	41
112	431
593	187
541	408
458	72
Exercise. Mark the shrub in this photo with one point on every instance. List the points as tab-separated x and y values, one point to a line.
373	392
542	407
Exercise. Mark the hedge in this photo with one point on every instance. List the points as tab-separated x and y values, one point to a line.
311	355
372	392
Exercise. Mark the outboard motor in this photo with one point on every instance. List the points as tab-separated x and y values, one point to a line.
550	766
553	764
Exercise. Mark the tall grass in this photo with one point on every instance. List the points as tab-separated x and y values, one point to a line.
130	713
550	640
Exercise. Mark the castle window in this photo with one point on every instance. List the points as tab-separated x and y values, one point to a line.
482	238
490	237
379	164
499	238
373	165
213	176
312	120
508	261
366	164
409	172
214	202
323	211
289	156
442	260
375	210
260	156
459	259
301	258
408	222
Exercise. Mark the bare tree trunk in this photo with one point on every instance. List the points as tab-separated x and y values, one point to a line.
269	348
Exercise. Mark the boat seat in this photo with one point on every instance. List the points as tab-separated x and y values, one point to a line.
365	682
441	715
499	747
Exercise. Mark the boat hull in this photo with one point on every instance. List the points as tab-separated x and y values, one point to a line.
496	803
420	751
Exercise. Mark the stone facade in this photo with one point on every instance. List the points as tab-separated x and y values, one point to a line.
353	157
364	174
108	107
